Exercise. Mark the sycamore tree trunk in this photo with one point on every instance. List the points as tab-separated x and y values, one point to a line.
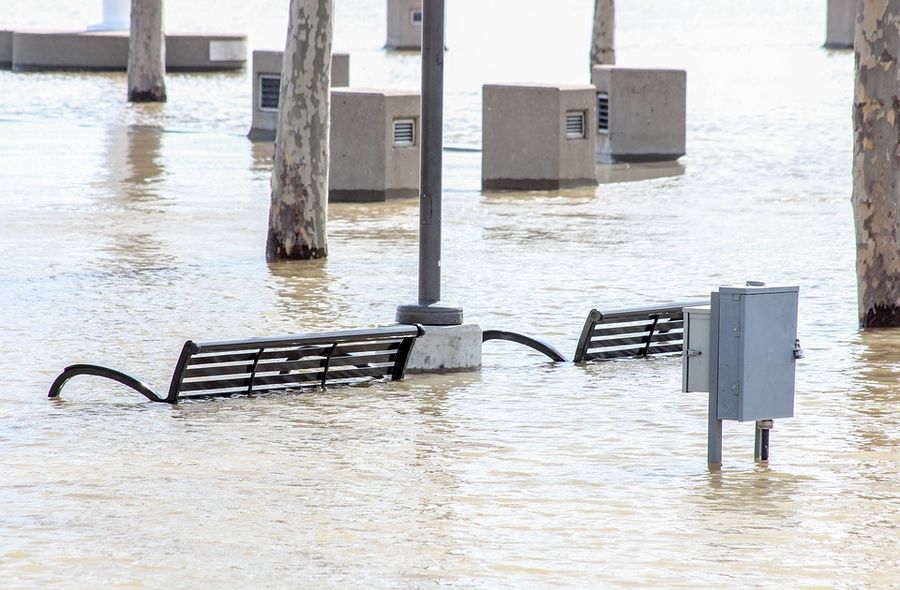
147	52
603	48
876	162
299	207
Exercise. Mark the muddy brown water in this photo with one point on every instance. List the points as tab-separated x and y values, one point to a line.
125	230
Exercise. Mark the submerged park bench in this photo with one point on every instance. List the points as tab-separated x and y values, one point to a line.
259	365
621	333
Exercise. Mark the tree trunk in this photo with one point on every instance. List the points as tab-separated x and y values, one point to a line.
299	207
603	48
876	162
147	52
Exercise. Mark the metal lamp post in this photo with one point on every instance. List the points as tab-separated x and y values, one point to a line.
429	309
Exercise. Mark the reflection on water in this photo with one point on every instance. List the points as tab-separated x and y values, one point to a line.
880	379
129	229
308	290
262	152
624	172
874	404
133	163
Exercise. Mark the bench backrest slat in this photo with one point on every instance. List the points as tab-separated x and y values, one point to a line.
639	331
214	369
610	329
281	364
323	339
636	340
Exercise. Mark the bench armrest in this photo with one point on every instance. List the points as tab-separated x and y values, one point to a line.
97	370
535	343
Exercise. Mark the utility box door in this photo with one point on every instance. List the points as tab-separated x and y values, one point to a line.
755	363
695	364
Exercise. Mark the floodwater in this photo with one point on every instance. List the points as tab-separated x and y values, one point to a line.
125	230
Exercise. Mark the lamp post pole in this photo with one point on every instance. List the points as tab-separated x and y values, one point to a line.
429	309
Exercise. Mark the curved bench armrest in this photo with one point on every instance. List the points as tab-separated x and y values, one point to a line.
535	343
106	372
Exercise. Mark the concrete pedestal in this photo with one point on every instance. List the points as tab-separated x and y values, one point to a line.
6	38
266	83
375	139
84	50
445	349
840	27
641	114
538	137
404	24
116	16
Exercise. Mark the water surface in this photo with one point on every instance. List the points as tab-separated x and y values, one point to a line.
126	230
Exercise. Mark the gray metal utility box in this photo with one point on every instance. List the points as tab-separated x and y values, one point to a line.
753	338
695	373
404	24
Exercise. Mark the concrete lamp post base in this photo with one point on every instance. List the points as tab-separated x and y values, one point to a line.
447	349
430	314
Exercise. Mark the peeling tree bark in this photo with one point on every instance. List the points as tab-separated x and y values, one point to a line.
603	48
146	52
299	207
876	162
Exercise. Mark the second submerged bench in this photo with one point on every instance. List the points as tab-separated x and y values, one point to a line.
620	333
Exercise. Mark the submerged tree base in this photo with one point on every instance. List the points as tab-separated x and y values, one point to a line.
152	95
882	316
276	250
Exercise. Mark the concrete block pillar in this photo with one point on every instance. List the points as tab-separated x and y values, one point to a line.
266	79
85	50
641	114
840	26
404	24
375	140
538	137
116	16
6	46
340	70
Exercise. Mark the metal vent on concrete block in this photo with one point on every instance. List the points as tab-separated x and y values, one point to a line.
575	124
415	17
603	112
269	87
404	132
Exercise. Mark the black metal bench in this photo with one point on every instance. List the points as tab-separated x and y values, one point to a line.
257	365
632	332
